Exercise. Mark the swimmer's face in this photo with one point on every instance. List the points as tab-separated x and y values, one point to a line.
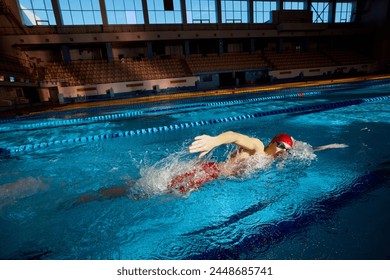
279	148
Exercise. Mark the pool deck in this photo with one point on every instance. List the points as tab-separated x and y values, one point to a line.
197	94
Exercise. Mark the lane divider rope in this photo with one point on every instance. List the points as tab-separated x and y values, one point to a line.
57	114
127	115
82	139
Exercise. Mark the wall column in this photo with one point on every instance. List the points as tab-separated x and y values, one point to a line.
220	47
65	54
253	48
219	12
183	11
149	49
332	11
145	9
103	11
186	48
57	13
110	55
250	11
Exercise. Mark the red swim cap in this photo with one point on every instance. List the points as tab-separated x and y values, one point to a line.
283	137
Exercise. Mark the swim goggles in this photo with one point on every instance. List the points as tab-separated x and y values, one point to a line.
282	146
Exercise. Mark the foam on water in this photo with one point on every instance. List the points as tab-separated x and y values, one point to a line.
156	177
301	154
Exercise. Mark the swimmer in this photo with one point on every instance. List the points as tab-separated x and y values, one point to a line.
235	164
203	172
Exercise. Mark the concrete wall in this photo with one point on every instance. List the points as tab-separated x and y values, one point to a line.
91	91
320	71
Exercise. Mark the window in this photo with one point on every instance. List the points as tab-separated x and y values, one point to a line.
344	12
262	11
234	11
80	12
293	5
124	11
201	11
37	12
320	12
164	11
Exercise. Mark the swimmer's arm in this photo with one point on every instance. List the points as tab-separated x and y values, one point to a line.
205	143
330	146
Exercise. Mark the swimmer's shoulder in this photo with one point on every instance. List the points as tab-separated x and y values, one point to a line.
258	146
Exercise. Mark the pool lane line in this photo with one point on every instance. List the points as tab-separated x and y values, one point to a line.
151	130
189	97
140	106
160	99
148	112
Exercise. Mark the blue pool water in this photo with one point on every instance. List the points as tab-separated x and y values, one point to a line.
331	204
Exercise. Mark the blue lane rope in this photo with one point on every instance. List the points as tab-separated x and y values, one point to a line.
314	89
127	115
328	106
76	121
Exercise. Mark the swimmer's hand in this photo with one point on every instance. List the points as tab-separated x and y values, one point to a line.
203	144
330	146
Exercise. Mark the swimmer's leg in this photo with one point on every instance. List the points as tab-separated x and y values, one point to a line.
107	193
